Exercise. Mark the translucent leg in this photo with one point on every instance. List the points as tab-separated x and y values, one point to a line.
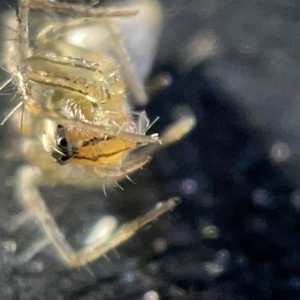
29	178
35	248
18	220
80	9
126	231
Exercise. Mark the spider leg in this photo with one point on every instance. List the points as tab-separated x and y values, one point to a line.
132	81
38	110
30	178
64	8
134	84
122	234
80	9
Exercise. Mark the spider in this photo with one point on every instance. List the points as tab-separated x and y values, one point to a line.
76	79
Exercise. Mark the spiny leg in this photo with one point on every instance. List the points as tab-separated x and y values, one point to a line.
30	178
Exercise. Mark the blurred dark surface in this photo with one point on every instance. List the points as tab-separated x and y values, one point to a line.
236	234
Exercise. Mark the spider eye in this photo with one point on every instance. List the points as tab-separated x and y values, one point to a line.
62	142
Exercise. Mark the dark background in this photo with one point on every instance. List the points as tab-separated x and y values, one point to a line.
235	64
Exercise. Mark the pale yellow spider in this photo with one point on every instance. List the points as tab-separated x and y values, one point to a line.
76	79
